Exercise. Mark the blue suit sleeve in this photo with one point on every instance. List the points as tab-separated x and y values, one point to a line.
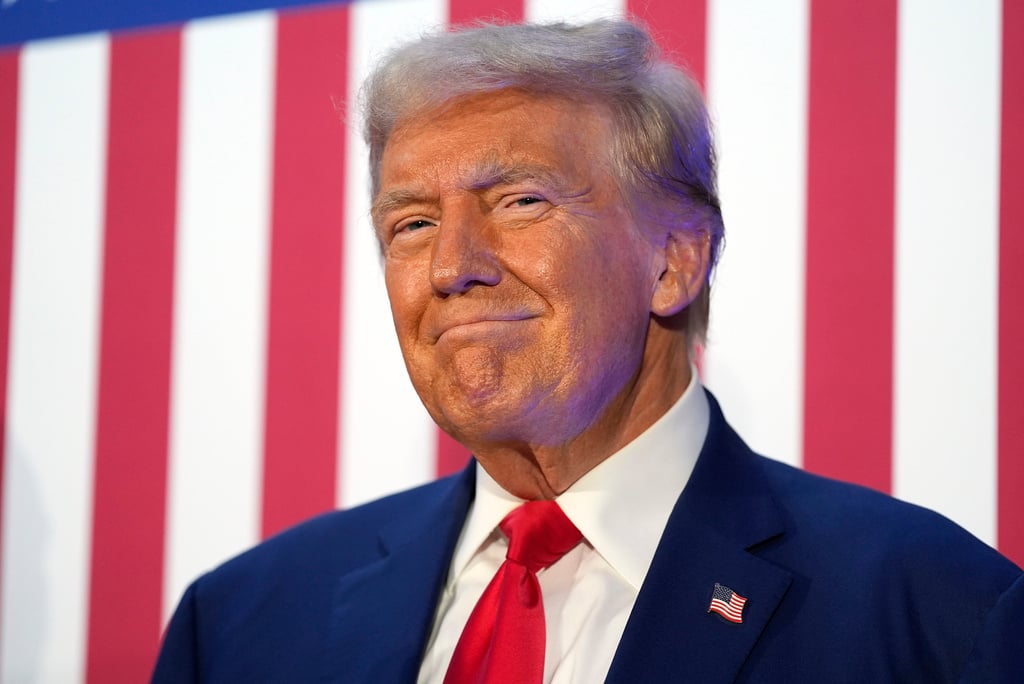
178	661
998	656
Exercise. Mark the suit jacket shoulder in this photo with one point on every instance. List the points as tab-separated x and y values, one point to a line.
843	584
904	590
278	611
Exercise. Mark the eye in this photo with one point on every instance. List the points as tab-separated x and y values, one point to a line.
412	226
527	201
523	201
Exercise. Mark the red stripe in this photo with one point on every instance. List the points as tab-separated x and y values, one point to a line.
468	11
304	336
451	456
8	152
680	29
850	223
126	580
1011	289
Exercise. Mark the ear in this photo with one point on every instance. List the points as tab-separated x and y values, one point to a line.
686	258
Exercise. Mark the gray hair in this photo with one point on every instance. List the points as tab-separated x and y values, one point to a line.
663	152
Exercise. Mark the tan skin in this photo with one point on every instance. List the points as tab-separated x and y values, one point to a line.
538	316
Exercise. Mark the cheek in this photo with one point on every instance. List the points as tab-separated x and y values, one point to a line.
613	276
407	299
545	266
612	295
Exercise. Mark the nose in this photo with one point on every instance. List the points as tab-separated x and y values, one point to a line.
463	253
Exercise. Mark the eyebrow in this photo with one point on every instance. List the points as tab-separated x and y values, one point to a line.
397	198
486	174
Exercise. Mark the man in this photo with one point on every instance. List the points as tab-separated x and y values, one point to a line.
545	202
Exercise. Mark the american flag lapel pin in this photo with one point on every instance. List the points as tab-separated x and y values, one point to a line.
727	603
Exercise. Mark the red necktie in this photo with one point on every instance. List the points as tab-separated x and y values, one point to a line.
503	641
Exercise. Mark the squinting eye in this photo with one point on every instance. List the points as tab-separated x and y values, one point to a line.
527	201
415	225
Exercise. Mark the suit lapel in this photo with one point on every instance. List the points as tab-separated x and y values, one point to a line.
383	612
724	512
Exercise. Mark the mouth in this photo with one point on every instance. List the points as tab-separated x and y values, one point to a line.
479	326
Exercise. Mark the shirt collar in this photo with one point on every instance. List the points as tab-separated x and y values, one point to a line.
623	504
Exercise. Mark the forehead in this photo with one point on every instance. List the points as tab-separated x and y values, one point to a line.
496	136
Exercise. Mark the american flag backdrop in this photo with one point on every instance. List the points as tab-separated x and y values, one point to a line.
195	345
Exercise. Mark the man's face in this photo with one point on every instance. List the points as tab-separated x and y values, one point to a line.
519	282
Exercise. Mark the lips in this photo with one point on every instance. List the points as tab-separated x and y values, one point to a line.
476	324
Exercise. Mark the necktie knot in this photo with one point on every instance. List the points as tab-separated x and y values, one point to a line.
539	533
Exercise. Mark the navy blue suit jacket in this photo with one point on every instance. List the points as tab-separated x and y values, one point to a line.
842	584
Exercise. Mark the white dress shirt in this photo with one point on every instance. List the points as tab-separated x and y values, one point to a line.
621	507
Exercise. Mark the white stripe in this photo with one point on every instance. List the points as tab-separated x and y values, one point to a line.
757	85
218	375
387	438
947	258
47	518
573	11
